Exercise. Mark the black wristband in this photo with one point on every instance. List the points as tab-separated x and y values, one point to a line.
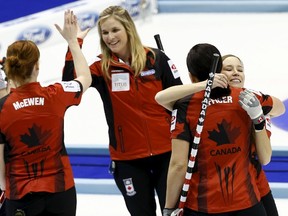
260	126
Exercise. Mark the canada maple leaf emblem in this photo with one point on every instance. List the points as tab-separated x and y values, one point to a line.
35	137
225	134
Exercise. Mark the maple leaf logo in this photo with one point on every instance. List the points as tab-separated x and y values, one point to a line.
35	137
225	134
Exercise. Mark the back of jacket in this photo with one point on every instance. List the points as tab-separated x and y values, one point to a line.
32	129
223	177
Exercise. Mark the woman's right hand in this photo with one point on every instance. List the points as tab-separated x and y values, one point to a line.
220	80
69	30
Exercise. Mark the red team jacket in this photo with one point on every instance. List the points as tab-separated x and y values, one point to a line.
138	126
32	128
224	179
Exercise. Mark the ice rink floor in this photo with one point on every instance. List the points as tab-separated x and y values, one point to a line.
113	205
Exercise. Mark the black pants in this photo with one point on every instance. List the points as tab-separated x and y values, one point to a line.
44	204
3	209
139	179
270	205
256	210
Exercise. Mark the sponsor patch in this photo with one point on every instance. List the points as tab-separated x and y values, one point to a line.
268	123
173	120
174	70
71	86
130	191
147	73
120	82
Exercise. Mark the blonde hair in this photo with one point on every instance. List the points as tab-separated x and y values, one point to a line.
21	58
138	53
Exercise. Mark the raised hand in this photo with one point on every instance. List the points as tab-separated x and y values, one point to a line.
69	33
70	27
250	103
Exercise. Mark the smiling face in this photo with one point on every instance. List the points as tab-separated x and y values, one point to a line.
115	37
233	68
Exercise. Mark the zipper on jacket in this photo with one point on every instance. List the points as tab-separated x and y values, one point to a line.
143	121
121	138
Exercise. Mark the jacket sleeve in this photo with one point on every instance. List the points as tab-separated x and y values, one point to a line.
169	74
68	72
267	103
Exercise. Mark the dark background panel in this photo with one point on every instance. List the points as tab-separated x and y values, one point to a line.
13	9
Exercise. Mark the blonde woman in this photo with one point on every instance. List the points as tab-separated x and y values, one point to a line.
127	76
